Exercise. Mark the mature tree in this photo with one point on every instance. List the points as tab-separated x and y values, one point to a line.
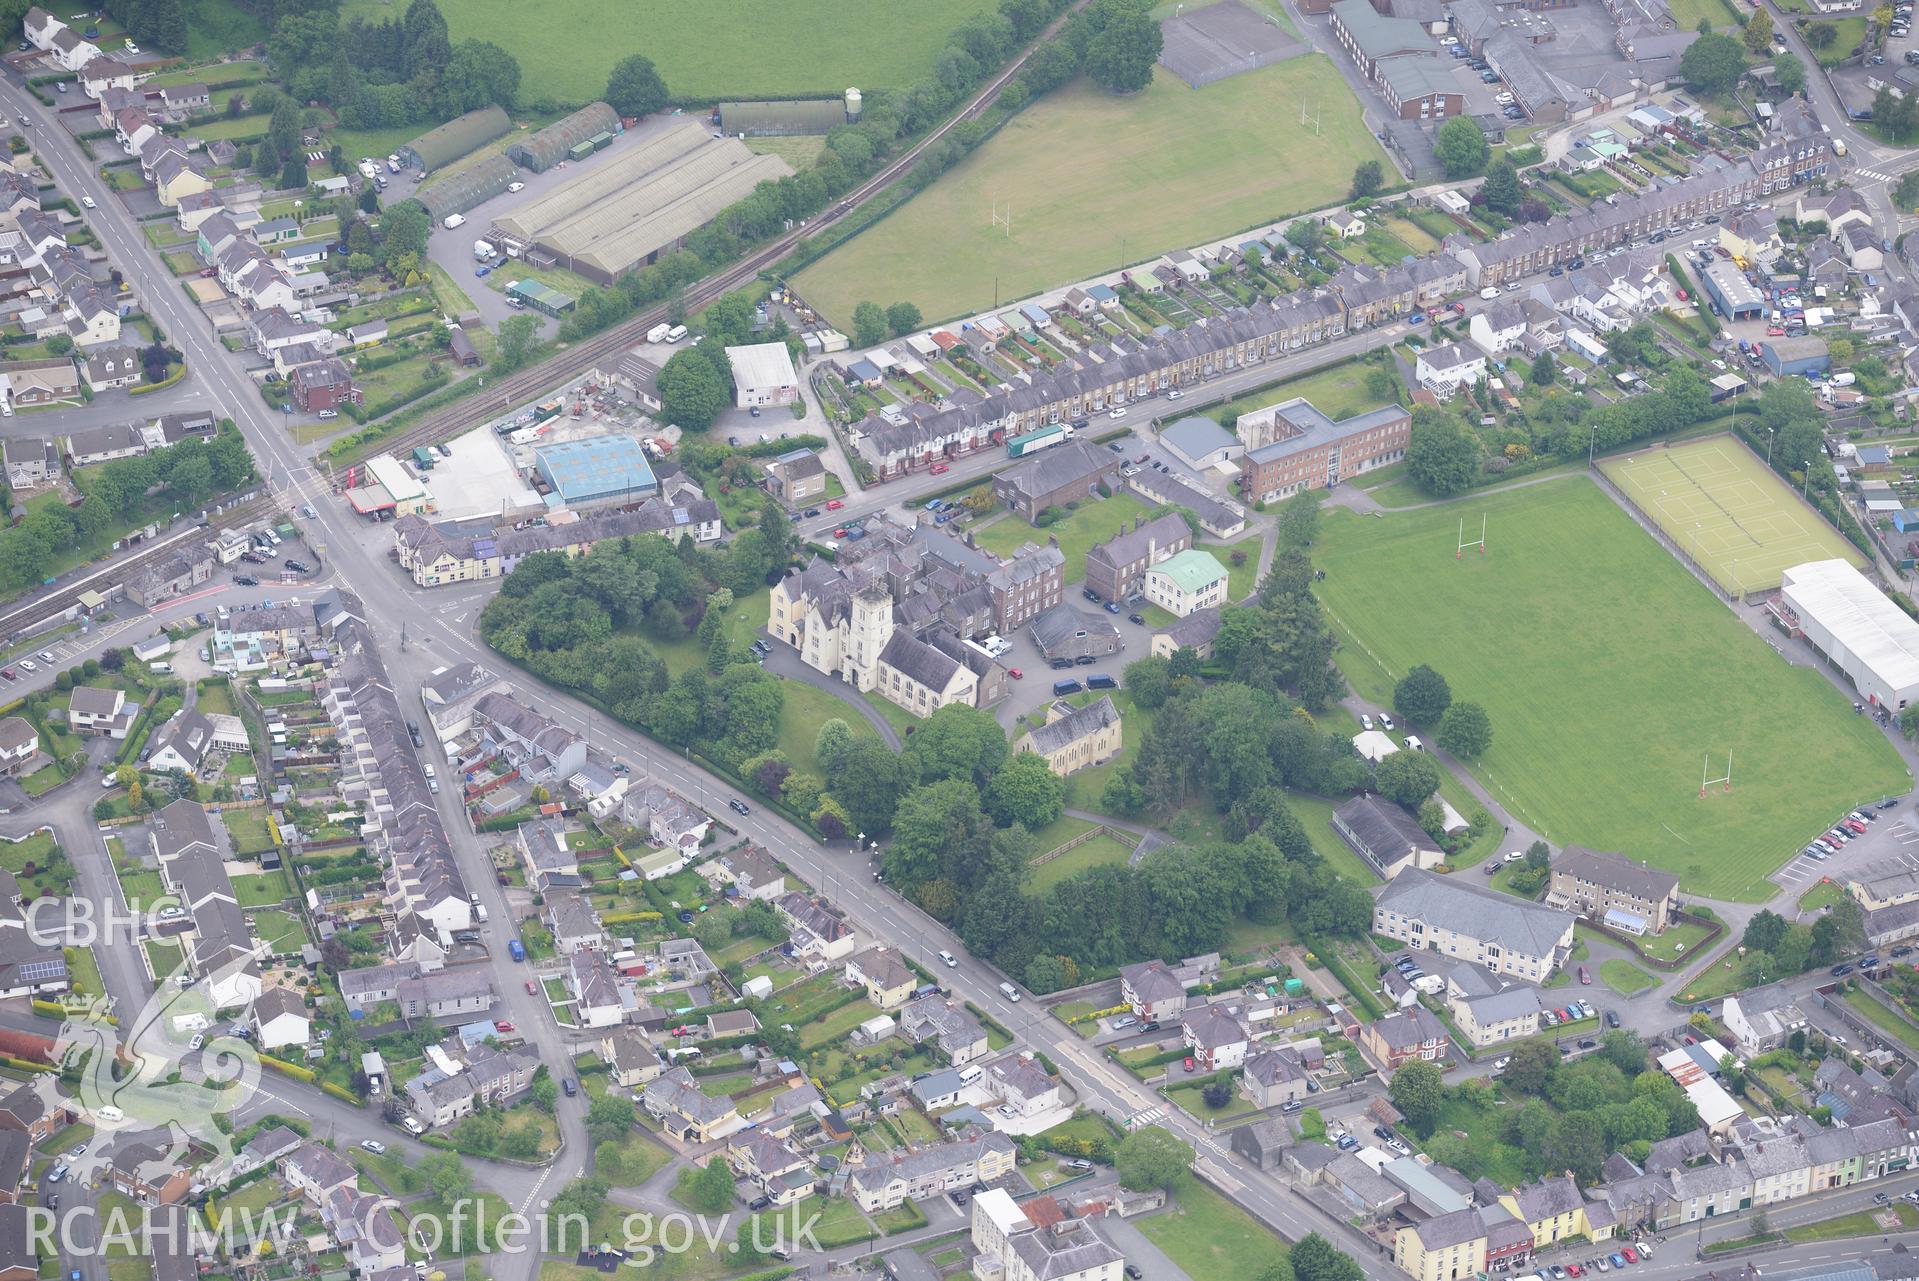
1419	1091
1150	681
609	1117
1764	932
1713	63
1465	730
1543	370
1757	36
1121	57
1625	1051
868	782
1025	791
634	88
1790	70
1422	695
902	318
519	341
1317	1259
1367	180
480	74
1306	233
1441	455
447	1176
1152	1157
708	1190
424	40
937	829
692	392
1821	35
869	324
1407	778
1531	1066
831	742
957	741
1299	518
1501	188
1461	148
404	229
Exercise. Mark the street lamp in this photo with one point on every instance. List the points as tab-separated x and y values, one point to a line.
1770	433
1805	486
1592	443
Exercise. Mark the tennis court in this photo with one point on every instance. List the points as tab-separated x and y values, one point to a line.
1727	510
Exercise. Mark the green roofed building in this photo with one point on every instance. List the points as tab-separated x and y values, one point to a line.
461	190
540	297
779	119
553	144
1190	581
460	136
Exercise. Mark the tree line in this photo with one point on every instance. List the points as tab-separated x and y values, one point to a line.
177	477
389	73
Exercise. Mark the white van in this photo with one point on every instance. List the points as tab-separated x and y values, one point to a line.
480	911
1489	293
968	1075
1413	744
1010	992
110	1114
158	669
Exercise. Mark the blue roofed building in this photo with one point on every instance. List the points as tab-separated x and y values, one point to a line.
596	471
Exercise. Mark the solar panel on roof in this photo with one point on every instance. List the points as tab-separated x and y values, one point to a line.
35	971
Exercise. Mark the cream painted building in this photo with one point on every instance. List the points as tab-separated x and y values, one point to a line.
1075	738
1188	583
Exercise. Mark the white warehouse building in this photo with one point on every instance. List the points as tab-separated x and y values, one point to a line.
763	374
1857	628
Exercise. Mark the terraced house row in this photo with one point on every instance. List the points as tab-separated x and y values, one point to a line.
917	433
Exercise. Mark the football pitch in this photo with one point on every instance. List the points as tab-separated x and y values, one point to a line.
1611	677
1722	506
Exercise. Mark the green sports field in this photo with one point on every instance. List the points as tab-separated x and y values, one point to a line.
1610	674
1096	181
1721	505
706	49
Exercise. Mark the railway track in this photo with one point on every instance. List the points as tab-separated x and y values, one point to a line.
17	620
527	384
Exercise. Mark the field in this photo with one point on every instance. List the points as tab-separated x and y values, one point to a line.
1217	161
1338	392
707	48
1727	510
1609	675
1207	1235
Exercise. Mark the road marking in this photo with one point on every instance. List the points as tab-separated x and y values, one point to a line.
534	1191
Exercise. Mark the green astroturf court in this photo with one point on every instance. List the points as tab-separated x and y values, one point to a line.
1721	505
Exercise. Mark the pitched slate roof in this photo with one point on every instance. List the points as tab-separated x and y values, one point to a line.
1519	926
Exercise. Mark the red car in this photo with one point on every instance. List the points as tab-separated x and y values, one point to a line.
840	532
1573	1269
1856	826
1015	673
1190	1065
834	504
502	1025
1631	1255
532	988
940	469
1774	331
8	673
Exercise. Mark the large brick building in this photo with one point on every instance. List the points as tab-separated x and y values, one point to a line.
1293	446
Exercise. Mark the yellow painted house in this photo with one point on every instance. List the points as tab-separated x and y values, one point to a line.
1448	1247
1555	1209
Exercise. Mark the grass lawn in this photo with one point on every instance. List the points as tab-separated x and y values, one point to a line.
1822	895
1094	853
748	618
1624	977
163	956
1315	814
1208	1236
1682	939
1851	32
1220	159
280	931
1097	520
706	48
1885	1018
215	27
1339	392
1585	714
903	1217
248	828
1862	1224
1689	13
798	151
803	710
84	970
263	890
